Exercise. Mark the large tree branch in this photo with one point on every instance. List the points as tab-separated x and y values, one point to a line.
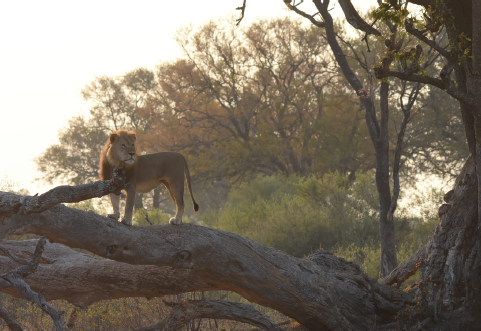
418	34
406	269
82	279
355	20
184	312
16	204
318	291
444	84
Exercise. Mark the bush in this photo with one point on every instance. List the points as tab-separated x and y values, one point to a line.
299	215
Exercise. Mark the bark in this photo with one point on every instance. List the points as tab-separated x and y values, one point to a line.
451	261
388	248
16	204
12	325
453	255
82	279
320	291
15	279
184	312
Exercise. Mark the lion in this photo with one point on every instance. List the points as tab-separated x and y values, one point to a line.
144	173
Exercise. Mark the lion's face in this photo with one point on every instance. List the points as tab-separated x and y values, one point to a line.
122	152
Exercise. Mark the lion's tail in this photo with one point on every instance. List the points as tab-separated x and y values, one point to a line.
187	177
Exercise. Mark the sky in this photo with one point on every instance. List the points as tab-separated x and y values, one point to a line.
50	50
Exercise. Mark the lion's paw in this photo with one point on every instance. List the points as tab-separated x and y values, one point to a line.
127	222
175	221
113	216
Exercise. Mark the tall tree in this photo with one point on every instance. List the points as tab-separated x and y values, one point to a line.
378	125
266	98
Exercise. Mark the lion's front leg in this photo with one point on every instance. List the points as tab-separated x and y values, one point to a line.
115	199
129	205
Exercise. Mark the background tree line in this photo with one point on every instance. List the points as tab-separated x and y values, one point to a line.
264	100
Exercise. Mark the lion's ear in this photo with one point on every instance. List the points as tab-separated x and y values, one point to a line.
114	138
132	136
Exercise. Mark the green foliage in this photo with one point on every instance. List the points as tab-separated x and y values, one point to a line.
461	48
75	158
388	12
368	257
299	215
296	215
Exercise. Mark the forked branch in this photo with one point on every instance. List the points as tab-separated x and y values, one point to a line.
14	278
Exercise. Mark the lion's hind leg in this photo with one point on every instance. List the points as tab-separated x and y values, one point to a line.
177	194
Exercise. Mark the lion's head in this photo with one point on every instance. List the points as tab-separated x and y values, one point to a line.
120	149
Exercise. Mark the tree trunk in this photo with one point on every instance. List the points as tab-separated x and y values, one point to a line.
388	247
320	292
451	262
379	136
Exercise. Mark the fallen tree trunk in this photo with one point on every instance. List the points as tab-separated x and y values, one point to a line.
321	291
82	279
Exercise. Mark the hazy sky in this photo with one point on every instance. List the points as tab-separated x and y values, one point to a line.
49	50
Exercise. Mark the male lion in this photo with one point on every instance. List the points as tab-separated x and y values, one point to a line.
144	173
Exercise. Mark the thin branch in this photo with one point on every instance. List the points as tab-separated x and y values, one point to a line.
446	85
242	9
418	34
16	204
12	325
304	14
355	20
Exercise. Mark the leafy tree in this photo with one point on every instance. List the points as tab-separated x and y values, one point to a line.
75	158
266	98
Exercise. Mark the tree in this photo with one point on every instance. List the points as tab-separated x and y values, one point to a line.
266	98
378	125
463	57
320	291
